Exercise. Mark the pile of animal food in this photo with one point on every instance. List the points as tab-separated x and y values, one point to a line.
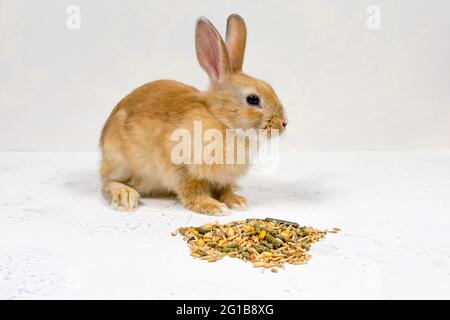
268	243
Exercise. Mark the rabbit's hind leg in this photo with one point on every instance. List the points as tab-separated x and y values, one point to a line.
121	196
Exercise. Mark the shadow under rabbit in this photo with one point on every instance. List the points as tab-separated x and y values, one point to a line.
258	191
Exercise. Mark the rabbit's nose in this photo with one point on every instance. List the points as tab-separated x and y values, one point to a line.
284	124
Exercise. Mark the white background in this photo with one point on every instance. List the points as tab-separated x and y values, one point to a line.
345	86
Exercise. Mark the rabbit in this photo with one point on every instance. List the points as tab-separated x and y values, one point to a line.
136	139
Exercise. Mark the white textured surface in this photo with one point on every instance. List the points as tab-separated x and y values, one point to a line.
58	238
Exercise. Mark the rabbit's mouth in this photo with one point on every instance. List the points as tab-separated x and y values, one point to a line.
274	126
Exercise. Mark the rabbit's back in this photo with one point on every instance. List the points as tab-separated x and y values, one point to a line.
158	105
162	100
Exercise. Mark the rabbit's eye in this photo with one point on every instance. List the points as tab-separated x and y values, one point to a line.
253	100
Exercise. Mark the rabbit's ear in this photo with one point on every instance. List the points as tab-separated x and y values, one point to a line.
211	51
235	41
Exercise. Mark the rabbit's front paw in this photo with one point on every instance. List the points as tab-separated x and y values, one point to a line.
234	201
208	205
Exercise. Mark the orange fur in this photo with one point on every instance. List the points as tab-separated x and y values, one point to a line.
135	141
